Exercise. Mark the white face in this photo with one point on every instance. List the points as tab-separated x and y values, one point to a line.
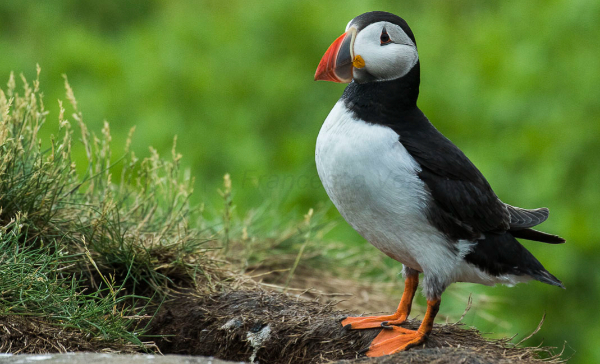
387	51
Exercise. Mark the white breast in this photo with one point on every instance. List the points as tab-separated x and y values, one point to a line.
372	180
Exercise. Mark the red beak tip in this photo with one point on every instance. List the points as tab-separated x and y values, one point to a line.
326	68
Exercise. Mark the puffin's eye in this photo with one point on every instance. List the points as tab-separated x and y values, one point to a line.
385	38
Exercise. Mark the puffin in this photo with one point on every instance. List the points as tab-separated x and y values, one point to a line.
406	188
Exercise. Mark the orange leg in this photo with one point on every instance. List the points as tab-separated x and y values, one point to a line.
401	314
398	339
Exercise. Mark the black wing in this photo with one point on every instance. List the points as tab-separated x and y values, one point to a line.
465	204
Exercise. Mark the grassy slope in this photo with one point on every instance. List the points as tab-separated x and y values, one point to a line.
89	255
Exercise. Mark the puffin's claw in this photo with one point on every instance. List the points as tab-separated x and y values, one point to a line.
386	325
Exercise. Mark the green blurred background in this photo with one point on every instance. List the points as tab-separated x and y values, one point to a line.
513	84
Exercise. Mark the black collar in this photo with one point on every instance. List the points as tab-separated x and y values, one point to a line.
384	102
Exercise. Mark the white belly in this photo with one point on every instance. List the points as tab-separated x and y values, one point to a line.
373	182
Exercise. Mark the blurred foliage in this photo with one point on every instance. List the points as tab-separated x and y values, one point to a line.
513	84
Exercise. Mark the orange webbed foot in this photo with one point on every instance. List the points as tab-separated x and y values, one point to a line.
369	322
398	317
395	340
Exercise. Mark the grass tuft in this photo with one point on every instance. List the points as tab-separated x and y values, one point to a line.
77	248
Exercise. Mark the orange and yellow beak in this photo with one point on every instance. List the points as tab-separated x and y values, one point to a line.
339	61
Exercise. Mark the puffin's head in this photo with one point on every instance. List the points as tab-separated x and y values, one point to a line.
377	46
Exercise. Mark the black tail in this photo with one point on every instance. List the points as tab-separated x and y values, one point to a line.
547	277
531	234
522	220
500	254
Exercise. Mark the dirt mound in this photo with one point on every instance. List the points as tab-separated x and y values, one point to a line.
274	328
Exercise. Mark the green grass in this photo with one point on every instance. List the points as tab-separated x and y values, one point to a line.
36	282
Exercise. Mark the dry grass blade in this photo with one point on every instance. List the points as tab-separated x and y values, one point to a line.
467	308
537	329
